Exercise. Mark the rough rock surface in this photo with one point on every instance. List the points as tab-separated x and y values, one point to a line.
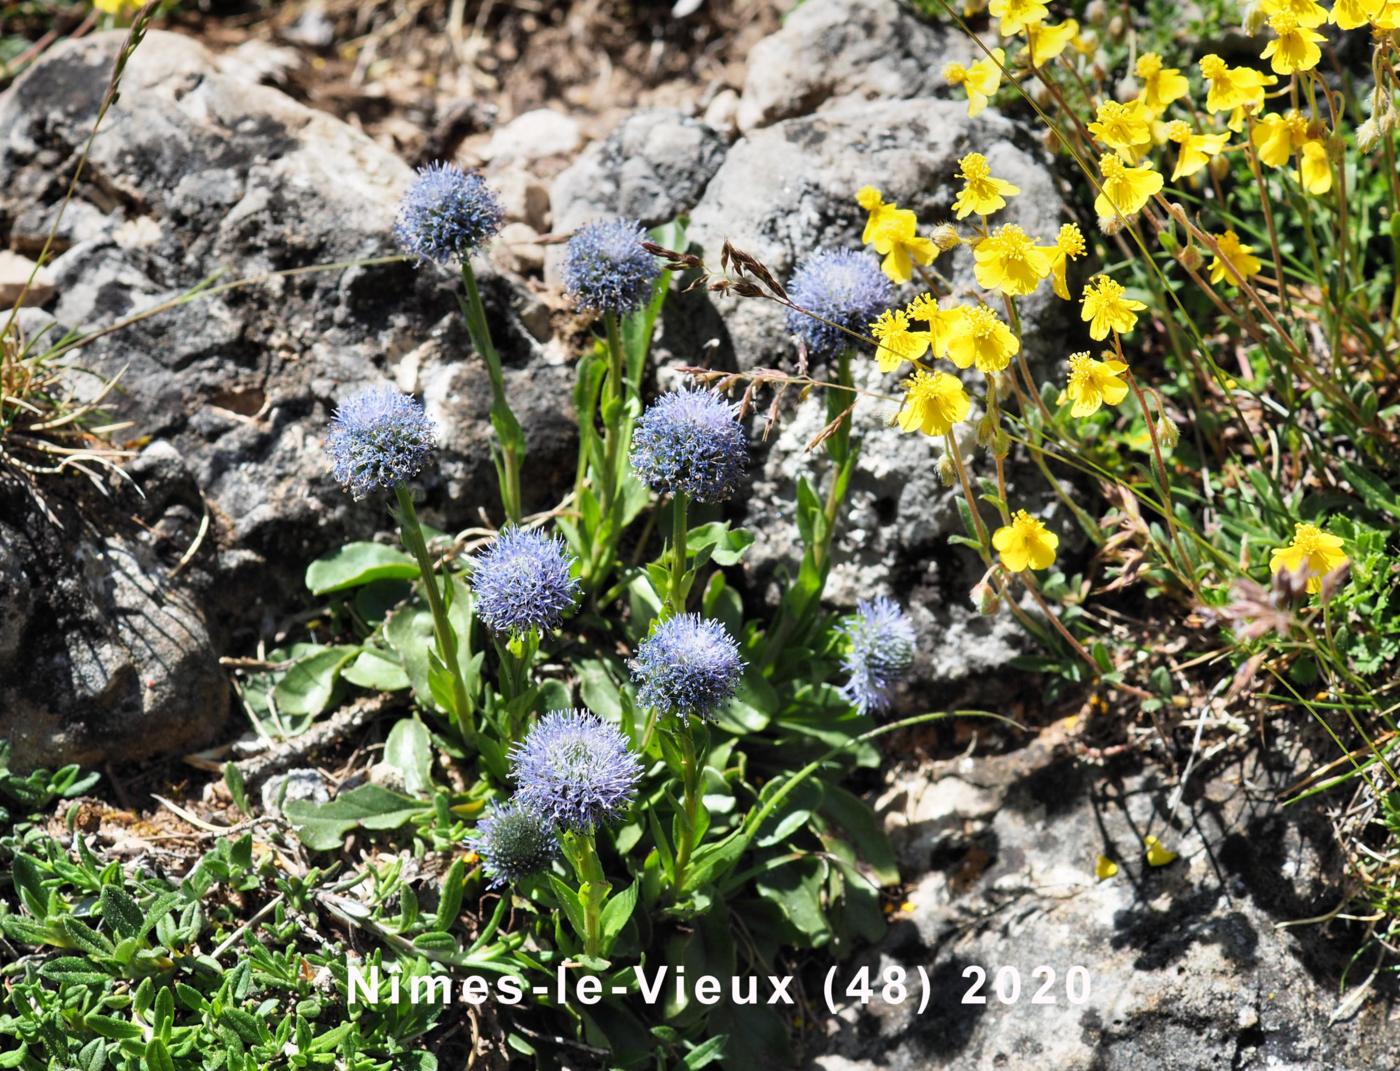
832	50
105	652
196	170
1187	967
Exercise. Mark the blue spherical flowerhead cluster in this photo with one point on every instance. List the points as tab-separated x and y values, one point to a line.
575	769
607	269
691	442
447	214
687	666
513	842
881	651
379	438
846	289
522	581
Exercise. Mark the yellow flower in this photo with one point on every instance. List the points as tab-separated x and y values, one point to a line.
1010	262
1104	868
1277	137
941	321
881	213
1313	550
117	7
897	342
934	402
979	79
1349	14
1124	127
1125	189
1303	12
1295	48
1025	542
1314	172
1161	86
1069	245
981	193
892	231
1106	309
1045	41
980	338
1157	855
1386	15
1016	14
1196	149
1094	384
1234	89
1233	254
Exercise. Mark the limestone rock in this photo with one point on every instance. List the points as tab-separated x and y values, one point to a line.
830	51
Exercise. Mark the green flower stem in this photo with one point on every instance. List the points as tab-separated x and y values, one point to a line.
510	437
838	448
411	533
616	386
582	851
690	785
617	432
680	534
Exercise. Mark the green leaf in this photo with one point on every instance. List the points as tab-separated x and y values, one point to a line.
29	880
358	563
707	1053
410	633
307	688
86	938
233	778
598	689
618	910
855	816
409	749
322	826
450	902
73	970
158	1056
726	545
246	1026
120	912
435	941
92	1056
795	890
569	901
116	1029
376	670
32	933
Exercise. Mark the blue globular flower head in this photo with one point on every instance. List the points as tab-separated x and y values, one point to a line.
607	269
378	439
881	638
845	289
691	442
514	842
447	214
688	666
523	581
575	769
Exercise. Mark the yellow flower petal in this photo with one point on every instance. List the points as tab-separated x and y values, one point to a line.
1156	854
